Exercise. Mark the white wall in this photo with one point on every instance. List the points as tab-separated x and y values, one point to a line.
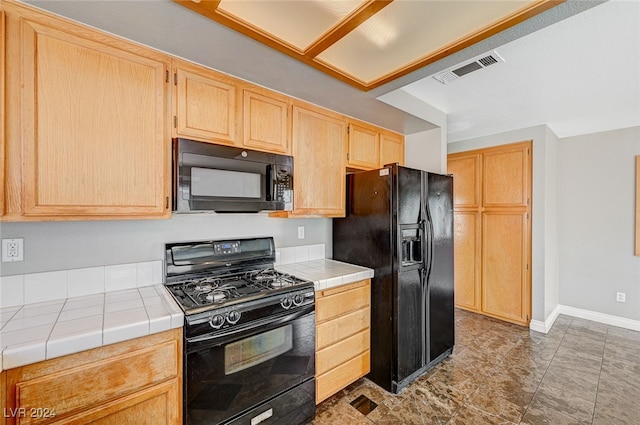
596	195
544	283
53	246
424	151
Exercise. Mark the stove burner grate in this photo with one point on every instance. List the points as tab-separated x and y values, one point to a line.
270	279
209	291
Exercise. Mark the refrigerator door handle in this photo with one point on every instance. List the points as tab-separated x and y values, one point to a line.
429	245
423	321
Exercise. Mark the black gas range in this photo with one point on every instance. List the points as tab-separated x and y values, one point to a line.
249	349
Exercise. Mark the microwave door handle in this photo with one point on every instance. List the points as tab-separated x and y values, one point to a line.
269	182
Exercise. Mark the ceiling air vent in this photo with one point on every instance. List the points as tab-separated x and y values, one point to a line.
461	70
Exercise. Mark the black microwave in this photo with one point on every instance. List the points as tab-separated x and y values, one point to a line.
227	179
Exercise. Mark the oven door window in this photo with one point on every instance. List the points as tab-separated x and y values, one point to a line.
257	349
210	182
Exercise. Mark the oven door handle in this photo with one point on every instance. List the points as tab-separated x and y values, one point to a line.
262	324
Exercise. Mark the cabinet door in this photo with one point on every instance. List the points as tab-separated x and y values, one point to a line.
266	121
206	105
93	120
159	404
505	287
467	244
391	149
2	112
363	149
467	180
506	177
319	163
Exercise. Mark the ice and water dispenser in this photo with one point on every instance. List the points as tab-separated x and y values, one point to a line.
411	245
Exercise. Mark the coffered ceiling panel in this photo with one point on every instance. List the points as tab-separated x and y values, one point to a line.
297	23
408	30
367	43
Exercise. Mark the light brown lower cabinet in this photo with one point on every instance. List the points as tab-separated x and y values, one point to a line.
132	382
343	317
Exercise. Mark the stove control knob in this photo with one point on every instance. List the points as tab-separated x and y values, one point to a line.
233	317
286	303
298	299
216	321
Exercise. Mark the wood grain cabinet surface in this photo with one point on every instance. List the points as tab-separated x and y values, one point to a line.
370	147
207	105
87	125
343	317
319	181
363	147
2	112
492	231
391	148
265	118
132	382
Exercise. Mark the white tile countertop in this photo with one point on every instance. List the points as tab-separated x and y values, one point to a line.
326	273
40	331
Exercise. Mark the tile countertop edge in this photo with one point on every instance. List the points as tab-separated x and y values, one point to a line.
327	273
156	312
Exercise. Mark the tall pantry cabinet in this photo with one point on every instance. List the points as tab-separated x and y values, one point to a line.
492	230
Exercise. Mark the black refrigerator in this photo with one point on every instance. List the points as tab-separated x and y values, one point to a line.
399	222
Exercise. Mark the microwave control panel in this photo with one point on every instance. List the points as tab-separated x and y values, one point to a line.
283	183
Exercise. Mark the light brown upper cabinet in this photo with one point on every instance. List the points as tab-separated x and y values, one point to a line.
492	231
391	148
319	139
91	110
2	114
363	147
370	147
265	121
207	105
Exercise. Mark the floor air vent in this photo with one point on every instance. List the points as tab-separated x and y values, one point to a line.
459	70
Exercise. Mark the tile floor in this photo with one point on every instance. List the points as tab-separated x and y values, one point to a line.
581	372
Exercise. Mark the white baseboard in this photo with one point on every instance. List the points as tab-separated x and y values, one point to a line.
607	319
544	327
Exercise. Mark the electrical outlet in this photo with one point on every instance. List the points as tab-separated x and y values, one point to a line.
300	232
621	297
12	250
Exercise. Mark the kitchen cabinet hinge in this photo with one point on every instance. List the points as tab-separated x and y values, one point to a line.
166	76
175	121
347	156
349	129
166	203
175	79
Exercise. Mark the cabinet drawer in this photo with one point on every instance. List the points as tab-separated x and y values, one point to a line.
333	355
333	331
93	384
330	306
338	378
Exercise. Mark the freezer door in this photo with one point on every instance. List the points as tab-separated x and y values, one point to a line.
411	321
365	237
440	270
